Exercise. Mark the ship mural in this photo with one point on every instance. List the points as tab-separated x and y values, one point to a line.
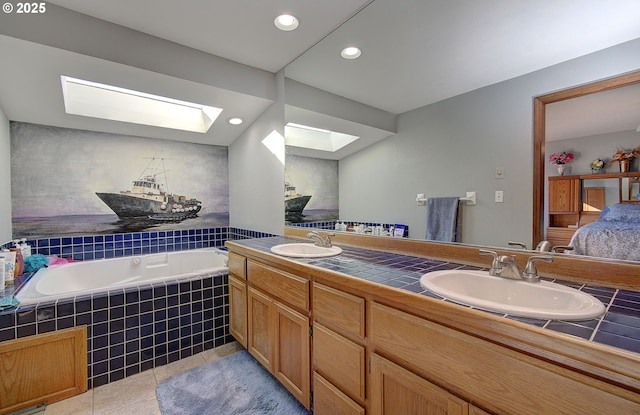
294	202
149	198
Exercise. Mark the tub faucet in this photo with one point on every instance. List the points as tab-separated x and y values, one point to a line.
324	242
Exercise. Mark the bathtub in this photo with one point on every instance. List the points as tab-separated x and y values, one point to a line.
79	278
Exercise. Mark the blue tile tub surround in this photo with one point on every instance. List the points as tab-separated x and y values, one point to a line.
139	328
618	327
88	247
134	329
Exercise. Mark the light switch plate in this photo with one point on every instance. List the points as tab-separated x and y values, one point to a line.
499	172
499	196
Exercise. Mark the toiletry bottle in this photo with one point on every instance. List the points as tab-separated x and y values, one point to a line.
9	264
2	283
19	268
25	247
337	227
391	230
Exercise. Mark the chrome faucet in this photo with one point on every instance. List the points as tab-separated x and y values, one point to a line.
501	263
324	242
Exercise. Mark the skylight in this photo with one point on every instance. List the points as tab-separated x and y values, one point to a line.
299	135
91	99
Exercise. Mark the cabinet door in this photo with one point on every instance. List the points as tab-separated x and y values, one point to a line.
340	361
292	367
260	334
397	391
329	400
564	195
238	310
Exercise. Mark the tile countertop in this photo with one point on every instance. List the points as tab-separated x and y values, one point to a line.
618	327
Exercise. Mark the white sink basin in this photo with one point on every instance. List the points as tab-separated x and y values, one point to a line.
305	250
543	300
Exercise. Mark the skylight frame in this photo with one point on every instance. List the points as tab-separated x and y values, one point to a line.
313	138
97	100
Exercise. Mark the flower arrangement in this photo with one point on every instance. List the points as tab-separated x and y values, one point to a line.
597	164
561	158
626	155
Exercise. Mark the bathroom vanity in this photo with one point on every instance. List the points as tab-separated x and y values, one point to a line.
350	345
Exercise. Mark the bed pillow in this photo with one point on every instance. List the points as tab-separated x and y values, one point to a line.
604	212
626	212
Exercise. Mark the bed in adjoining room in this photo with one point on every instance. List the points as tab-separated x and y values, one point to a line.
615	235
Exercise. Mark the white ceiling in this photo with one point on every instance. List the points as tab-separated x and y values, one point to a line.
606	112
415	52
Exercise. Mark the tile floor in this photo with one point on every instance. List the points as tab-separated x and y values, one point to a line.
135	394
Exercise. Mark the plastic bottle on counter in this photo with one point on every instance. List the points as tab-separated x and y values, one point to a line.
2	282
9	265
25	247
19	267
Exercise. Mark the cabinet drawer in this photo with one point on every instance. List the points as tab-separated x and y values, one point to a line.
560	236
328	400
339	360
340	311
290	288
238	265
511	382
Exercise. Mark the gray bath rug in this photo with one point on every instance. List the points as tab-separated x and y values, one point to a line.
233	385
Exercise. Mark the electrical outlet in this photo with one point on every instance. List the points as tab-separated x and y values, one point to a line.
499	172
499	196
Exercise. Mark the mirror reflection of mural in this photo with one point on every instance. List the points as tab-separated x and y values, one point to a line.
311	189
67	181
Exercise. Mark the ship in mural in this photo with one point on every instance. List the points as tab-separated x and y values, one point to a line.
294	202
149	199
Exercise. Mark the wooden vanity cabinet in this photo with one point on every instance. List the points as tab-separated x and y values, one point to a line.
278	326
338	353
377	350
497	378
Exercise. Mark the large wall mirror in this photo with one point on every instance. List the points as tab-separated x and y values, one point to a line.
484	140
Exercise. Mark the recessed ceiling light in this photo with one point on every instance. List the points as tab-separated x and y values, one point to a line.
235	120
350	52
286	22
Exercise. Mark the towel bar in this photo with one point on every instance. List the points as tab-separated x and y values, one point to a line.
469	199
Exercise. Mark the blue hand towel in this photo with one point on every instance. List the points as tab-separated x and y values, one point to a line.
8	302
442	219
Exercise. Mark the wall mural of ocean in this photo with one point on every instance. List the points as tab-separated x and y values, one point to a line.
67	181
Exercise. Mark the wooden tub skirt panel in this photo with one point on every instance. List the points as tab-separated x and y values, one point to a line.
42	368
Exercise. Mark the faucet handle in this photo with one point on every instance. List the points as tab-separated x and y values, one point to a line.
496	264
530	270
488	252
516	243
